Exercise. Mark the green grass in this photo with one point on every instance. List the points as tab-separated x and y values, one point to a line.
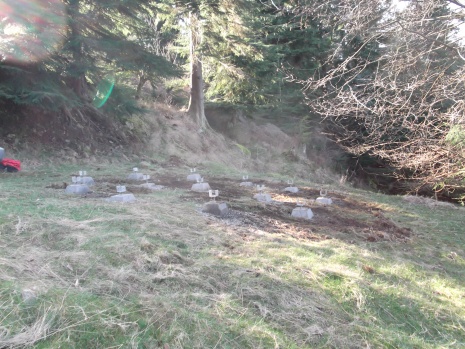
158	274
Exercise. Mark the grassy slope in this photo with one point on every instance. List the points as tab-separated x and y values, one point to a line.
158	274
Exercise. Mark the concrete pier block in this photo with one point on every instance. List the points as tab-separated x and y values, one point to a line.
77	189
263	197
136	176
324	201
200	187
302	212
194	177
87	180
151	186
219	209
122	198
291	189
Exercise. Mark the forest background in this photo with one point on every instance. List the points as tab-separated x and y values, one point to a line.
385	83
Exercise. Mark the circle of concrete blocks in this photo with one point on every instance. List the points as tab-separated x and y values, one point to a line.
263	197
79	189
302	212
246	184
324	201
194	177
200	187
136	176
151	186
122	198
292	189
216	208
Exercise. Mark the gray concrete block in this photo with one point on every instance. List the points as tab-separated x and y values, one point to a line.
200	187
263	197
302	212
87	180
136	176
246	184
194	177
292	189
151	186
324	201
216	208
122	198
78	189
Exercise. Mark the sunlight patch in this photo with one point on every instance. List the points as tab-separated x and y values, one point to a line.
31	30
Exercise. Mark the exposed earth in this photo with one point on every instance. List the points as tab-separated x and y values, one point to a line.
347	218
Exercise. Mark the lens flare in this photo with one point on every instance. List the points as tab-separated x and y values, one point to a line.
31	30
104	89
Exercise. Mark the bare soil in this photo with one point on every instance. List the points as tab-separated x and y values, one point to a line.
347	218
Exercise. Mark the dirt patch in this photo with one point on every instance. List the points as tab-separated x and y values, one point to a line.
346	219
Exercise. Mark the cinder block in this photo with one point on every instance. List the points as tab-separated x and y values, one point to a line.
324	201
263	197
292	189
302	212
216	208
194	177
78	189
136	176
200	187
122	198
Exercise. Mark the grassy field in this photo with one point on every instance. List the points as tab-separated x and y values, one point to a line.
80	272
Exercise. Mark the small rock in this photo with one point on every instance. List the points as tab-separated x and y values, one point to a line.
28	295
145	164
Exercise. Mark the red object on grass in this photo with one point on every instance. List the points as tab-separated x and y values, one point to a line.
16	164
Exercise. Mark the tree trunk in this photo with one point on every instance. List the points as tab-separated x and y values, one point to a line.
77	79
196	107
142	80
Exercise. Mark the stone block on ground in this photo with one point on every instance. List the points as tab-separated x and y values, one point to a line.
87	180
136	176
324	201
78	189
151	186
291	189
302	212
246	184
200	187
263	197
122	198
219	209
194	177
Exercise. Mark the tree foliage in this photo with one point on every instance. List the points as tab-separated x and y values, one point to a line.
393	88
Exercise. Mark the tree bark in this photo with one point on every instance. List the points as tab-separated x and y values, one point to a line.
196	107
77	79
142	80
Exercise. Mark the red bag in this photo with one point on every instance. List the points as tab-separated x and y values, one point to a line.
10	165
